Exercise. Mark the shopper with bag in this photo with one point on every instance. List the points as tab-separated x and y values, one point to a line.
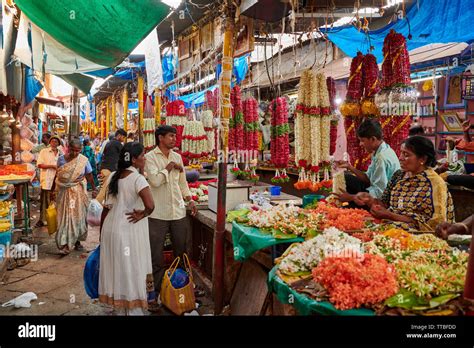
47	163
125	256
165	173
72	199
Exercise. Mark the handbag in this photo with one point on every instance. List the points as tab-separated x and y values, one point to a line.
51	218
179	300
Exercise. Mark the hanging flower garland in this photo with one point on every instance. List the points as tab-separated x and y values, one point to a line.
299	118
396	64
176	117
251	126
351	106
315	114
207	119
371	85
237	122
325	107
194	143
279	145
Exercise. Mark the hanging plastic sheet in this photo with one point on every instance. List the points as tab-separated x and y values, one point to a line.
428	21
196	99
32	86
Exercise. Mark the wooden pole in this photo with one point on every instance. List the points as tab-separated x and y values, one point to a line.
140	107
114	116
125	109
157	107
107	116
219	236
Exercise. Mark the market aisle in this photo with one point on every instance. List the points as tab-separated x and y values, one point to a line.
58	281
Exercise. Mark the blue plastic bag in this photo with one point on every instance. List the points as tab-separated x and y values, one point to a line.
179	279
91	274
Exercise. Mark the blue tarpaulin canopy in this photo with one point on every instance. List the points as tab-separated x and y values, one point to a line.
428	21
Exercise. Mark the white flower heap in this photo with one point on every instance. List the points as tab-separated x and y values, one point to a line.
269	217
307	255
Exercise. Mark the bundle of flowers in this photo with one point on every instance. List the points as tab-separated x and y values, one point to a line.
194	143
351	106
200	193
325	109
333	136
303	257
176	117
236	124
251	126
353	282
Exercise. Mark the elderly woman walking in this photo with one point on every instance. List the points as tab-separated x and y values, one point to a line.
72	198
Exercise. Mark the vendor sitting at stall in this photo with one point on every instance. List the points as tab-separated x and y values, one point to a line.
416	197
384	163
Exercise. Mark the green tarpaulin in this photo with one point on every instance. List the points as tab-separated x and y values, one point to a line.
304	304
248	240
102	31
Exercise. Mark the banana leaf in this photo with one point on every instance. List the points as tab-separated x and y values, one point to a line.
408	300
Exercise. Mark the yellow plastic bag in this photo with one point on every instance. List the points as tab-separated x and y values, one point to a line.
180	300
51	216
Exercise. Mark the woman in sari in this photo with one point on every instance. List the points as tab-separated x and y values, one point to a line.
416	198
89	153
72	198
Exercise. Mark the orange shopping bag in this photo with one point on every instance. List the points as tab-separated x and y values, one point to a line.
179	300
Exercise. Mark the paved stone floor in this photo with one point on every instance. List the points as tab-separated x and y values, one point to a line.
58	280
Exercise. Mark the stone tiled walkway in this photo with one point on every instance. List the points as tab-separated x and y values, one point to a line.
58	282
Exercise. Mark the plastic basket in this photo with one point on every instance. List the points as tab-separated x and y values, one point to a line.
310	199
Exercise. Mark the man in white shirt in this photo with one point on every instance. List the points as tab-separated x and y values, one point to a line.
47	163
165	173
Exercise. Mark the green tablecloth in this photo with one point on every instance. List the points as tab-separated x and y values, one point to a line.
248	240
304	304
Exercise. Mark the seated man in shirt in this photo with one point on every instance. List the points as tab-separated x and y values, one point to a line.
165	173
384	163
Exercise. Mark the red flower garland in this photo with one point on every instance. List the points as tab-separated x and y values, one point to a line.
333	137
371	76
331	85
177	108
236	132
251	124
355	86
279	145
396	64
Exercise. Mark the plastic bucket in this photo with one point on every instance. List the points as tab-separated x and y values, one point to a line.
310	199
275	190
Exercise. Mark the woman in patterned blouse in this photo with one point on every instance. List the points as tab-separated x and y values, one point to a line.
416	198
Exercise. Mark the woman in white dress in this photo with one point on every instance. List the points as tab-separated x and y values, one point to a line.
125	256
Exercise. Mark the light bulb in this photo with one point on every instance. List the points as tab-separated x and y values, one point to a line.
4	114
